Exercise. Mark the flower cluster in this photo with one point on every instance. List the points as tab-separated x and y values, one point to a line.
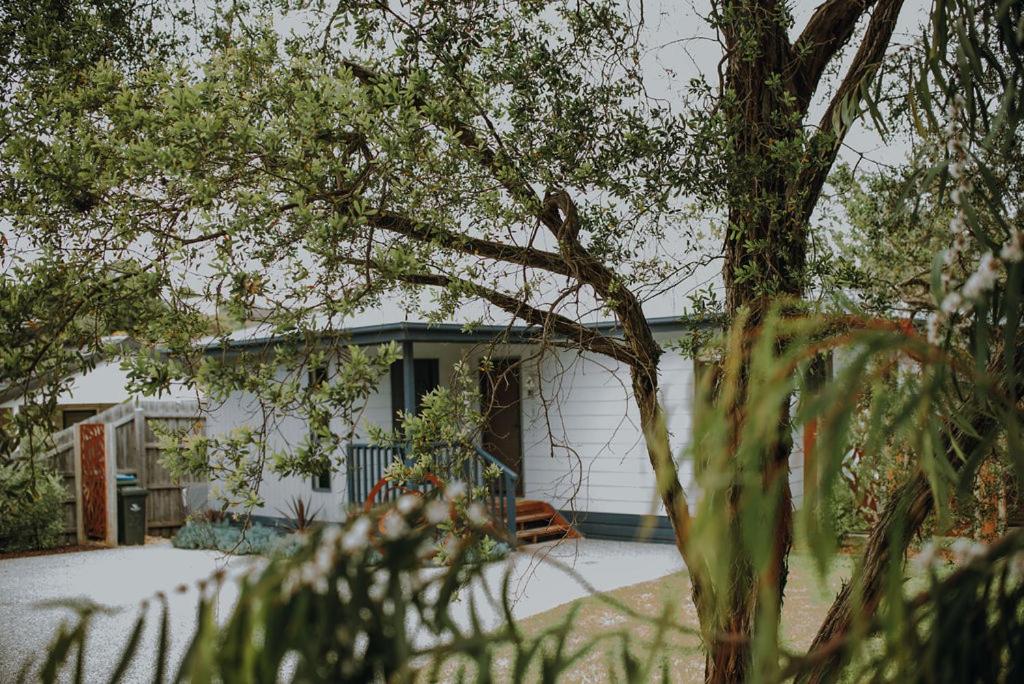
989	267
337	544
962	551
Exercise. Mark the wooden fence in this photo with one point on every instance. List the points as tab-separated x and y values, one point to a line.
132	444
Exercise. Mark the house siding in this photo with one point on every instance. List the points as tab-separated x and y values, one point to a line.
583	448
594	458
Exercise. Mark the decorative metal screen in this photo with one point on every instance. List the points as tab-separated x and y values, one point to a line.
94	479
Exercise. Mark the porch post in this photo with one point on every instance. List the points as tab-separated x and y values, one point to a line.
408	379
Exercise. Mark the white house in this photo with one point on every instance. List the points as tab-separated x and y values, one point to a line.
566	423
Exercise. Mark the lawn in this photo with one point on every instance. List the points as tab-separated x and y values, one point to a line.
807	600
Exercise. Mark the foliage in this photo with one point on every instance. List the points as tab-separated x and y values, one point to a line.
31	507
300	516
237	459
967	626
254	539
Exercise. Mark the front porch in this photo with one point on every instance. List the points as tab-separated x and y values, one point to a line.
517	520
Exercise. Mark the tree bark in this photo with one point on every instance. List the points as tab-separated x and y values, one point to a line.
764	262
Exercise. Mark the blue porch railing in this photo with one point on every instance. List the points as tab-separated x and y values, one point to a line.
367	464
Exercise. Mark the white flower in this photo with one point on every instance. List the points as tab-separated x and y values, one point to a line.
376	592
407	503
951	304
323	559
956	169
477	514
983	279
379	587
331	535
436	512
344	592
357	536
455	490
934	328
394	525
926	557
957	195
988	263
291	583
1013	250
426	549
958	224
964	550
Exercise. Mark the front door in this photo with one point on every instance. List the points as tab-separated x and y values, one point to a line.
502	433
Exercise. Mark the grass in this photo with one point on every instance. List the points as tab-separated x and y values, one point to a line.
807	600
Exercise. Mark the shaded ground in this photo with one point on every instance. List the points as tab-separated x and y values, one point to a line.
75	548
807	600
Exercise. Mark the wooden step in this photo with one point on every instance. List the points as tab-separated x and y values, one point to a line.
523	518
533	505
539	521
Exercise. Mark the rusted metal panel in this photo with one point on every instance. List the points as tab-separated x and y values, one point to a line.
94	479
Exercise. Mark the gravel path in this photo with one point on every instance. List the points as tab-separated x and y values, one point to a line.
122	578
118	578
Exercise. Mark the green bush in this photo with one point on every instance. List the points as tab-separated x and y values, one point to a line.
257	539
31	513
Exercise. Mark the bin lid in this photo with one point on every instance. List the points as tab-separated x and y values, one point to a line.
133	491
127	478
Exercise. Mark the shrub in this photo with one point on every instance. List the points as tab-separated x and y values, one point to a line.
257	539
31	512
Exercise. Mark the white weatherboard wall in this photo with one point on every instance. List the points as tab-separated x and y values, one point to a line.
285	432
593	458
584	450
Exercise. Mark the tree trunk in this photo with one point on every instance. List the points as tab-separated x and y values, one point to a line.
764	263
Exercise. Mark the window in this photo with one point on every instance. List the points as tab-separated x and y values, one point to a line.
70	417
427	372
322	480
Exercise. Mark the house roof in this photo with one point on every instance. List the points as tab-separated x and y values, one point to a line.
13	390
419	331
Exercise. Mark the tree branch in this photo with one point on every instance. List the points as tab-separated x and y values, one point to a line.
825	34
517	188
834	125
457	242
586	338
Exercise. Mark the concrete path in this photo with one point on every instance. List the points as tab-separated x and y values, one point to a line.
548	575
122	578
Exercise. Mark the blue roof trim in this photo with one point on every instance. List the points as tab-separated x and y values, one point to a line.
454	332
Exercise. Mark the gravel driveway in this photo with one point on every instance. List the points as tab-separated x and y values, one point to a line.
119	578
122	578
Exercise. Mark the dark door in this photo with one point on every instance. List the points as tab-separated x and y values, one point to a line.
502	433
427	374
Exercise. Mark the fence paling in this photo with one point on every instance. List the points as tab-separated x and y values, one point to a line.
136	449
